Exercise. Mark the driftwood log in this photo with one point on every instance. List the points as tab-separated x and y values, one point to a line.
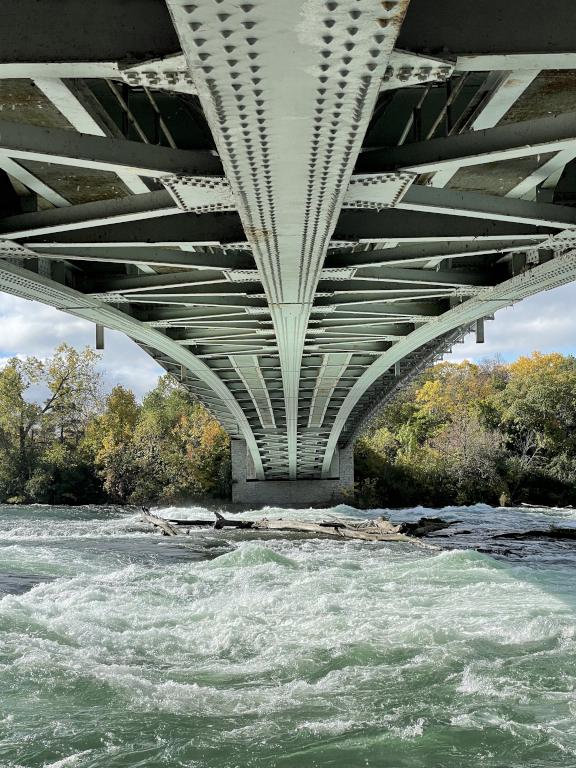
165	526
366	530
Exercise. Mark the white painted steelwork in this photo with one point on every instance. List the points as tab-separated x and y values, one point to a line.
245	188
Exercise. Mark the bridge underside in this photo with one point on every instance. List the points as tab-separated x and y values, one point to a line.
292	206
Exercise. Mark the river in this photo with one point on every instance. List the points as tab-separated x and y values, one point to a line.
122	648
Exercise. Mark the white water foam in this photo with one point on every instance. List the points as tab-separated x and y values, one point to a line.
303	642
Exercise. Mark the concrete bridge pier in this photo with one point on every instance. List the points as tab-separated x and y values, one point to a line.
246	489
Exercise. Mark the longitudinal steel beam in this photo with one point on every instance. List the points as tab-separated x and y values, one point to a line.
516	62
168	281
409	308
503	142
427	277
408	226
375	325
91	31
288	151
383	280
191	289
423	253
169	314
184	230
157	257
467	27
52	145
185	301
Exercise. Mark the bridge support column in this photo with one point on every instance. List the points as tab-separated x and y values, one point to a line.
291	493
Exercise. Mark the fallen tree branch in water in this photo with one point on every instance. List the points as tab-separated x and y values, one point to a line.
373	531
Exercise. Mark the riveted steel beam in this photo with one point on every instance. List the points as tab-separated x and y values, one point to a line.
515	62
409	308
553	273
408	226
453	202
372	279
184	230
22	282
191	289
99	213
156	257
424	253
166	280
90	31
503	142
466	27
330	76
51	145
156	314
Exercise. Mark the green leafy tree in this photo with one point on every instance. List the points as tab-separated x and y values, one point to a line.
40	436
168	449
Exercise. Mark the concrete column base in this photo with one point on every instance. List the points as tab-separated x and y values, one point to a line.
291	493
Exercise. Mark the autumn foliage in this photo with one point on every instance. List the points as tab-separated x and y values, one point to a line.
458	434
63	441
465	433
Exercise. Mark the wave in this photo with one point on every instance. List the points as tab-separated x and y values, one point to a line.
315	650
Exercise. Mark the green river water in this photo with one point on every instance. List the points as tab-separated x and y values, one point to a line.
120	648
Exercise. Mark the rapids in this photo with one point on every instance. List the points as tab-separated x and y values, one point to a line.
121	648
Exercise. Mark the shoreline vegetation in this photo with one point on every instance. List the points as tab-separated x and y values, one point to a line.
498	433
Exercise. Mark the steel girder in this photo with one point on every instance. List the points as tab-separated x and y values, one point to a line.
558	271
489	145
23	283
32	143
325	267
289	151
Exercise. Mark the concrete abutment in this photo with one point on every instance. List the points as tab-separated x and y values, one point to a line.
246	489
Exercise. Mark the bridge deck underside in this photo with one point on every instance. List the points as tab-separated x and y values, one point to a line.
293	207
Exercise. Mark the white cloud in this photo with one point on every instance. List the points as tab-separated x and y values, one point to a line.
29	328
544	323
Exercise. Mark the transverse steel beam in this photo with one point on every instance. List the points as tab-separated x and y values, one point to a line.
52	145
503	142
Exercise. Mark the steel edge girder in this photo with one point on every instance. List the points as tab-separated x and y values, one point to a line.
553	273
22	282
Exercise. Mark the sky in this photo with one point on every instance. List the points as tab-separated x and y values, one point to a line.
30	328
544	323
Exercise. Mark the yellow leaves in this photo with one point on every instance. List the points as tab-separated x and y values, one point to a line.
383	441
113	428
454	388
537	363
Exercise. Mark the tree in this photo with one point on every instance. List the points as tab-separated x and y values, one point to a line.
108	439
168	449
69	387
